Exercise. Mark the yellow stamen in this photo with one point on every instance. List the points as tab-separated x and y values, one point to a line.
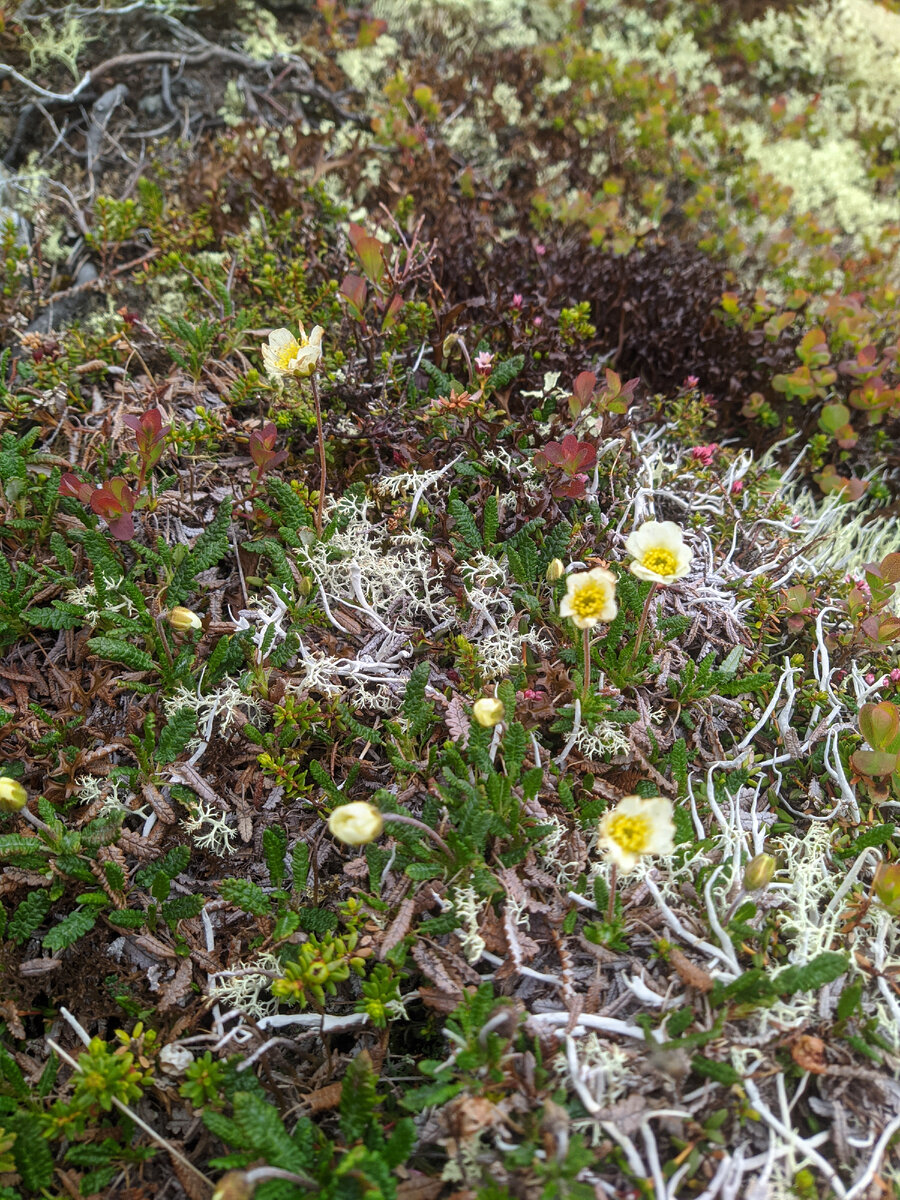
660	561
285	356
590	600
631	833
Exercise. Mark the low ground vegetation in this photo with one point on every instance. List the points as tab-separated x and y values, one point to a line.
450	705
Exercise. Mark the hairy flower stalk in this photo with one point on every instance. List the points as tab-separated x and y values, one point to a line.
359	823
286	356
660	557
590	598
634	828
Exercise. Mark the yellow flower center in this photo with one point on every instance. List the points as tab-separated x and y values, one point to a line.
285	355
660	561
590	600
632	833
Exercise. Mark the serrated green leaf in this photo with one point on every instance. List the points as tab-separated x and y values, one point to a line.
211	546
245	895
69	930
274	850
465	527
718	1071
29	915
31	1153
176	734
182	908
117	651
811	976
300	865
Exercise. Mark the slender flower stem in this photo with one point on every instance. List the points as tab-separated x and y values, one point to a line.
35	821
586	643
407	820
322	467
611	903
643	622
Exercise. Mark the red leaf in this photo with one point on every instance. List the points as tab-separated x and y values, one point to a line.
71	485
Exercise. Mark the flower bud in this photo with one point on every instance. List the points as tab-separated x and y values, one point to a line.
356	823
304	585
13	796
488	712
555	570
234	1186
182	619
759	872
887	886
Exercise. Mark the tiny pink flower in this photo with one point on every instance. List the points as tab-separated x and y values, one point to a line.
540	249
484	362
796	522
737	487
691	381
869	678
537	322
705	454
516	300
895	675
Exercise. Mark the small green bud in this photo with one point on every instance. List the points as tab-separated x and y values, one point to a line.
13	796
304	585
555	570
183	619
887	886
759	872
488	711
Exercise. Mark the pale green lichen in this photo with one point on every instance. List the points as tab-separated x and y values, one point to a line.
666	48
366	66
57	42
232	108
467	26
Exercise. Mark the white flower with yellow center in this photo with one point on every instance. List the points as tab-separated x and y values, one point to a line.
356	823
288	355
659	552
590	598
636	827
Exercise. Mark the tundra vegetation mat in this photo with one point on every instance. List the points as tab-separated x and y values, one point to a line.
512	816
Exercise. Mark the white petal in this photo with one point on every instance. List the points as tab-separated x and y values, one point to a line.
279	339
668	536
629	806
652	535
640	572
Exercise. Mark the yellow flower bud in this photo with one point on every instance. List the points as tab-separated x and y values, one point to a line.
488	712
233	1186
555	570
356	823
12	795
182	619
304	585
759	872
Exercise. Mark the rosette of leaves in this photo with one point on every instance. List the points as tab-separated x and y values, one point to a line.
567	462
